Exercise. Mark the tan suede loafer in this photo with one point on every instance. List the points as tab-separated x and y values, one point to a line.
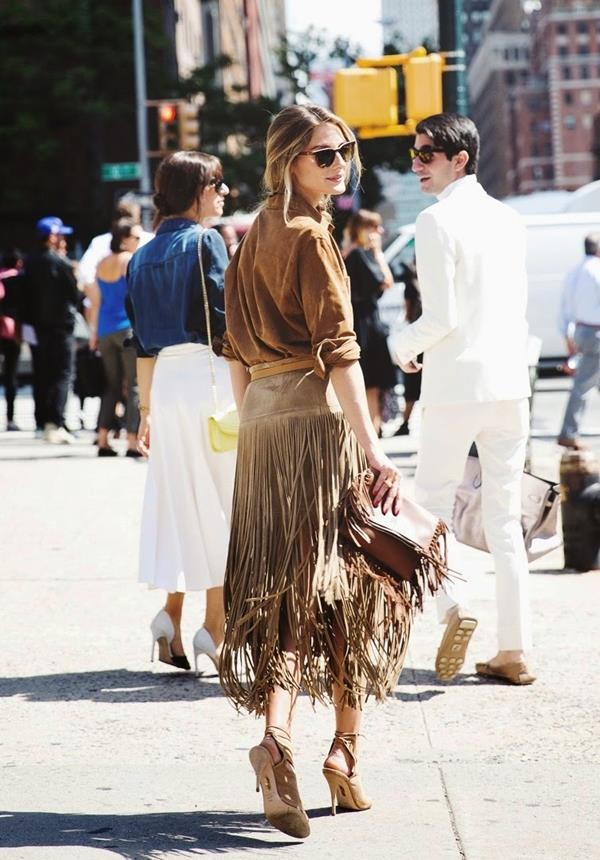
514	673
453	647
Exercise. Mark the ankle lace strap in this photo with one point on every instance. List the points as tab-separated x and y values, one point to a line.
349	740
282	740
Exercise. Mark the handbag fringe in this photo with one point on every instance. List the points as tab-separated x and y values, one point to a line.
287	568
430	563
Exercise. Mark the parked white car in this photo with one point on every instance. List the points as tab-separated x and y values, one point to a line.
554	247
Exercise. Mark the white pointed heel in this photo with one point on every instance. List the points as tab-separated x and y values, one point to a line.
163	634
204	644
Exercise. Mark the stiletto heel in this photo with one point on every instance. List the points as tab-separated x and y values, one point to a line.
204	644
163	634
346	789
332	791
281	798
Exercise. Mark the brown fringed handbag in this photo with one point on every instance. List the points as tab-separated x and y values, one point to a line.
406	552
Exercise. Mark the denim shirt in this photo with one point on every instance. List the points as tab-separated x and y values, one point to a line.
165	302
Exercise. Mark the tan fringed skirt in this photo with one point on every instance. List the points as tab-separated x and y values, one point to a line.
296	458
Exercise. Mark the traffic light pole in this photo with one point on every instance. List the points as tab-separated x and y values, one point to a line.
140	94
451	48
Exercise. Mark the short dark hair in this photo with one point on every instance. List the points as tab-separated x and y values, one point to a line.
592	244
453	133
180	180
121	229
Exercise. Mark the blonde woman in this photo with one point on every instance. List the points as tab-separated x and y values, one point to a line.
298	615
369	276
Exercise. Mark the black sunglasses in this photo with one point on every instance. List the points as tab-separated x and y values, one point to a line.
425	154
217	184
326	157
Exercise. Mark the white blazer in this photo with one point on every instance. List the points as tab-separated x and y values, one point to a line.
471	268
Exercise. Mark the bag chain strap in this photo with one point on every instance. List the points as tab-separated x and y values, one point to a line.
208	330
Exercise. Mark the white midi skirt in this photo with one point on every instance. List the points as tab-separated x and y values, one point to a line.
189	488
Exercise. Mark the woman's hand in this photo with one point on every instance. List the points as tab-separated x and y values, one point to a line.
386	489
143	435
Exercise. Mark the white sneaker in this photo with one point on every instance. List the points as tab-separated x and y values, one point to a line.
57	435
65	437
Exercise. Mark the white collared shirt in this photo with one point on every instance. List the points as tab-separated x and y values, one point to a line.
464	181
580	300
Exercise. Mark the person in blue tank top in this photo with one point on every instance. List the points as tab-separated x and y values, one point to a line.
110	328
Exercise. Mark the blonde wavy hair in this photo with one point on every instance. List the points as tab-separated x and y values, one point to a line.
289	134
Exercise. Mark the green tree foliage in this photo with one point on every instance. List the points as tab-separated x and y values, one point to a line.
234	128
67	105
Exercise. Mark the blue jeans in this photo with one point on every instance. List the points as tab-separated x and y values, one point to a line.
587	375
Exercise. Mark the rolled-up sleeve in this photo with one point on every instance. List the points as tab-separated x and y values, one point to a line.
436	265
325	297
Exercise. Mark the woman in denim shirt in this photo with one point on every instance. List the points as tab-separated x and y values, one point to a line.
187	502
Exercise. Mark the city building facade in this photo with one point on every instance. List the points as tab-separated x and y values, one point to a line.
475	15
247	31
534	86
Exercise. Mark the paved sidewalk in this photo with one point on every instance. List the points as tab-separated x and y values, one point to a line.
103	755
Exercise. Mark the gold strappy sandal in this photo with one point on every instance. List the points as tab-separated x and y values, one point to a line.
346	790
281	799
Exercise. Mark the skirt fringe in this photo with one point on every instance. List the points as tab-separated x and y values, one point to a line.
287	570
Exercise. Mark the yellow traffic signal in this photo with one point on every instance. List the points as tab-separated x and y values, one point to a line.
366	97
423	85
189	127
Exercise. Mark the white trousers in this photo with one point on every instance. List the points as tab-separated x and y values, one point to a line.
500	430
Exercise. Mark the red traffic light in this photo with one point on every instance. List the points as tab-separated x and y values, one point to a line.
167	113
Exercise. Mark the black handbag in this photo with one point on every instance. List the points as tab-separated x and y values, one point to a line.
540	501
90	377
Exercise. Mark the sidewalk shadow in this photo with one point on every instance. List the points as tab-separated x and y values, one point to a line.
412	677
144	836
562	571
114	686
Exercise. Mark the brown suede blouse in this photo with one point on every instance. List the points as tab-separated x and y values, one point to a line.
287	293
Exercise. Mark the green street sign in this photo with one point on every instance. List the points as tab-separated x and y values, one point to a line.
120	170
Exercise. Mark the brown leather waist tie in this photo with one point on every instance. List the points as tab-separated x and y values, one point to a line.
284	365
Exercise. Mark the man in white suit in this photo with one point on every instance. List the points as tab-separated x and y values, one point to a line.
473	333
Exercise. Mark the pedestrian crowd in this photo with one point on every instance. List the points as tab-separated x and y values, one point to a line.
189	322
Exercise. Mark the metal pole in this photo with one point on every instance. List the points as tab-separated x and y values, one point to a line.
140	94
451	47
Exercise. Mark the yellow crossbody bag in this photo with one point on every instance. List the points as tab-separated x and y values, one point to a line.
223	424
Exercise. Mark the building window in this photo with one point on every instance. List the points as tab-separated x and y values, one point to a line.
582	26
585	97
569	122
568	98
583	50
584	73
566	73
563	51
586	121
561	28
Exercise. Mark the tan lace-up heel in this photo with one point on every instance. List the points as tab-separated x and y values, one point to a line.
346	789
281	799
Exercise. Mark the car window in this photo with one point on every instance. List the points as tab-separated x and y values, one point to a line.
404	256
